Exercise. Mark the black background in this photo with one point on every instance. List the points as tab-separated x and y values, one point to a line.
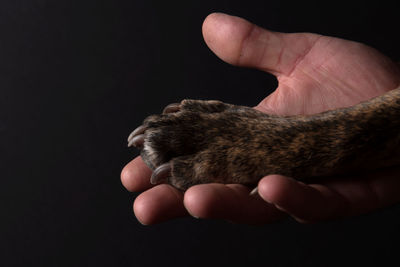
77	76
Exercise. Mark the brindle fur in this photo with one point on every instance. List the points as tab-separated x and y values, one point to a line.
210	141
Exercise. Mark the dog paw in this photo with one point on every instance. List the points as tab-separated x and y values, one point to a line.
197	141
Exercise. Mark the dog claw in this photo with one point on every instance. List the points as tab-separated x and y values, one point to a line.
254	193
137	141
139	130
172	108
161	173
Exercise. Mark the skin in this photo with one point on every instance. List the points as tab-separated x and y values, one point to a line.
315	73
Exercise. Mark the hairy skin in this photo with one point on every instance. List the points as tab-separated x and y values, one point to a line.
198	142
315	73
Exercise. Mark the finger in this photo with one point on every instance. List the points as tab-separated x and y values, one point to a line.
369	192
135	176
228	202
158	204
242	43
303	202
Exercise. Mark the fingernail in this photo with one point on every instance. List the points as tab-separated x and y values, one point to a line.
161	173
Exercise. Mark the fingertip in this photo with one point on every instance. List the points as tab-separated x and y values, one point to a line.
215	200
135	176
198	200
211	17
224	35
159	204
141	211
273	188
211	20
126	178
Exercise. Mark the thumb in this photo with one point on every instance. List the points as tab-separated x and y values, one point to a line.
241	43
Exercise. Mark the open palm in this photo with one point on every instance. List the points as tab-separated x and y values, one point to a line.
315	73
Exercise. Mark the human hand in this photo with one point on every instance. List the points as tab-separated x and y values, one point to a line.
315	73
